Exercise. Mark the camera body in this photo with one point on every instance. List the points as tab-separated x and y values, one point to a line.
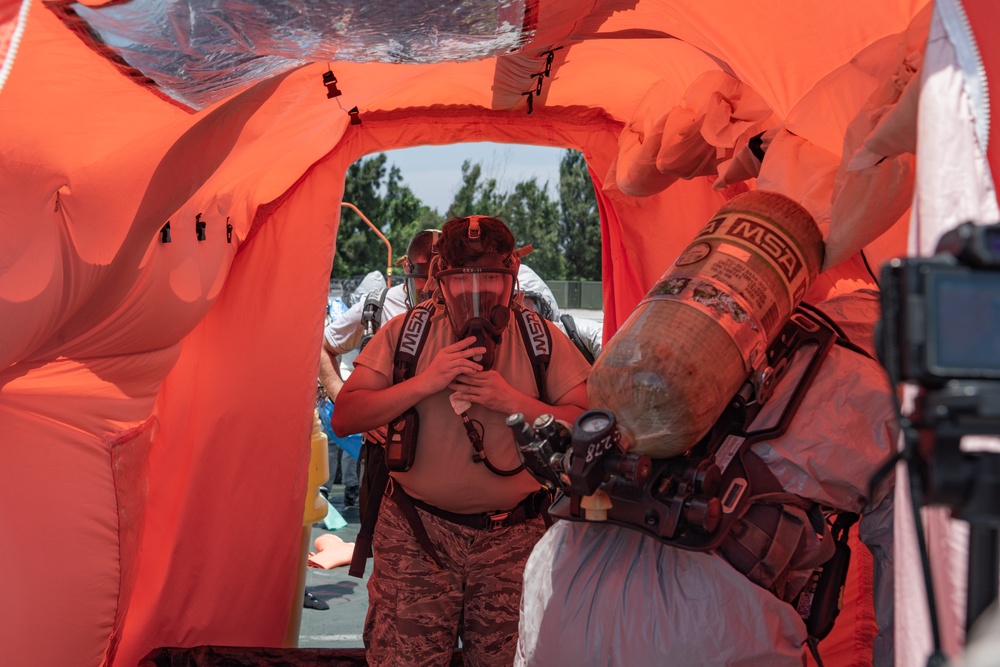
941	315
940	330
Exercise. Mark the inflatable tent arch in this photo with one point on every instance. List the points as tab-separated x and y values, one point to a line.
154	396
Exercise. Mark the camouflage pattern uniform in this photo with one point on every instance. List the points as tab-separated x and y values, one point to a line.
416	609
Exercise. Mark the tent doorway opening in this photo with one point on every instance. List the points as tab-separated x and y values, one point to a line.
544	194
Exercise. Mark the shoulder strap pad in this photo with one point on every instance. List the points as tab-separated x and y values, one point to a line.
371	315
373	306
412	337
538	342
534	332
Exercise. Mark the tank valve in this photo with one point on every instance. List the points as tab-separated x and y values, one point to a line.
595	506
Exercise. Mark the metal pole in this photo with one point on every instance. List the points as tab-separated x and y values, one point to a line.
388	272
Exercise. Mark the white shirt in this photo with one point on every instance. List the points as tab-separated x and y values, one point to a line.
343	334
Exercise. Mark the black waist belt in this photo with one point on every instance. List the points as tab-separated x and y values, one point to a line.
527	509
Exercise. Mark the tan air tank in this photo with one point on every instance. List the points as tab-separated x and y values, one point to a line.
672	368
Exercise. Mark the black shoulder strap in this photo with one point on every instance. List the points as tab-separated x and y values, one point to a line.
371	315
411	341
363	540
538	342
574	335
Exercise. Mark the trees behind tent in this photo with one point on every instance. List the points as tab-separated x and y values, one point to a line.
380	193
579	219
565	233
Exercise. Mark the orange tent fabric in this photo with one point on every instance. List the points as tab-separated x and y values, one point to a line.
153	395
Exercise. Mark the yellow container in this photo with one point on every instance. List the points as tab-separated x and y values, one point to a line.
315	511
319	472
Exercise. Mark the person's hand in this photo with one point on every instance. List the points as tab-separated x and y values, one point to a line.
486	388
449	363
379	435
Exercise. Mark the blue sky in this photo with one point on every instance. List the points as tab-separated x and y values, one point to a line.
434	173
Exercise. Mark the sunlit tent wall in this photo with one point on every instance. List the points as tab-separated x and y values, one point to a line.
171	181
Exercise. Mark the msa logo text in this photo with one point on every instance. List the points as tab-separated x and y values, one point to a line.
536	333
711	228
773	245
413	332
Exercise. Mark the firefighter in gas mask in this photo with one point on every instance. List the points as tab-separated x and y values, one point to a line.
459	515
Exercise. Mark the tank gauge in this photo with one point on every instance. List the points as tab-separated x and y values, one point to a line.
594	423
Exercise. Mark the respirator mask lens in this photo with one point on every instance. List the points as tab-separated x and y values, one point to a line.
478	303
411	274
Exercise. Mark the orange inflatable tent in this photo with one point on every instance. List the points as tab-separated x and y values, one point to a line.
155	395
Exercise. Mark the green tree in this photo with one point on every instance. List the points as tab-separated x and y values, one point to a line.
390	205
580	220
404	214
534	219
566	234
476	195
359	250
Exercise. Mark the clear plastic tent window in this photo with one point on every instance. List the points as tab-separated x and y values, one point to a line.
200	54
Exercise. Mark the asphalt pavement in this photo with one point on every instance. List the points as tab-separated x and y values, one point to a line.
339	626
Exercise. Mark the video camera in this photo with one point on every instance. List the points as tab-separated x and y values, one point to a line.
940	330
941	315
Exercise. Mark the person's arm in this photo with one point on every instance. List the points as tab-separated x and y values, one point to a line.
329	372
491	390
343	334
368	401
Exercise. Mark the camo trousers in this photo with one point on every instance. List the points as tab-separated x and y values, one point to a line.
417	609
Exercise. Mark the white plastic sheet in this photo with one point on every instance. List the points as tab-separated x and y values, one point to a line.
200	52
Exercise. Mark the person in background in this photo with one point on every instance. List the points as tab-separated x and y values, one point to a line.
344	336
341	459
586	334
456	525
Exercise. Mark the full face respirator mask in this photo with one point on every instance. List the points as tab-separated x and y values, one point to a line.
417	266
414	274
478	302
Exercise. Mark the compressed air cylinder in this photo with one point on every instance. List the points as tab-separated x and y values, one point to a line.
672	368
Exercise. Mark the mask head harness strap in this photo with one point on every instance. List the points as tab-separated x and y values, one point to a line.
413	271
474	233
420	269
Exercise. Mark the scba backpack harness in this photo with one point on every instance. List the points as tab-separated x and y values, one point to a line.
371	315
372	441
399	452
719	497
